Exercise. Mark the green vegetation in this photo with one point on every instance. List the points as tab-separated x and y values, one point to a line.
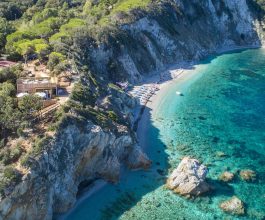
36	29
127	5
14	114
105	9
14	9
40	143
5	29
10	74
57	63
9	176
10	155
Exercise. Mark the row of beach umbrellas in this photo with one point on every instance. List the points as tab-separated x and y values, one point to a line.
40	94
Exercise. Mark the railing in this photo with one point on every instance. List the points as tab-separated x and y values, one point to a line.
22	79
44	112
36	85
49	102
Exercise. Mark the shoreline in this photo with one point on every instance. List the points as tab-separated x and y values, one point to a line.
185	72
153	104
174	72
182	68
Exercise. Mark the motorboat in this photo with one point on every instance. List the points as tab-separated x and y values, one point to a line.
179	93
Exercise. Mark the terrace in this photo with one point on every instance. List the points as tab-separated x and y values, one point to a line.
37	85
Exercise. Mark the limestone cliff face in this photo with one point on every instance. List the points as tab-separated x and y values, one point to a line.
77	154
177	30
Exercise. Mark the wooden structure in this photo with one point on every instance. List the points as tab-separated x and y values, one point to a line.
33	85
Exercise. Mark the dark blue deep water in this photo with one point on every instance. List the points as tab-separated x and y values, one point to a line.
222	112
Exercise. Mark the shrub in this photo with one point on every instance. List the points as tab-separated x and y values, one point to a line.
5	156
40	143
15	153
45	14
2	143
55	59
7	89
112	115
10	173
2	188
61	67
29	104
20	132
10	74
24	161
8	156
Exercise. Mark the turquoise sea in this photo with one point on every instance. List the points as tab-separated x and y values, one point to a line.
222	112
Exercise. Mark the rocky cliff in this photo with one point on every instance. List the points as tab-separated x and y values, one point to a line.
175	31
169	32
79	154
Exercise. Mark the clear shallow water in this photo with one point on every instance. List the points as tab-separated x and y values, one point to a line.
223	110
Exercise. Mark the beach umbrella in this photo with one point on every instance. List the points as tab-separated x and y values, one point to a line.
41	94
22	94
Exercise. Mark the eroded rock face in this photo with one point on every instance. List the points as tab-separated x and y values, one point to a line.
226	176
233	206
248	175
77	154
189	178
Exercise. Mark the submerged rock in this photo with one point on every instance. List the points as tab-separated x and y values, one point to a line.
248	175
233	206
161	172
226	176
220	154
189	178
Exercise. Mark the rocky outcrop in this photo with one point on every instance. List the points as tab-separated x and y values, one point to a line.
248	175
226	176
189	178
79	153
233	206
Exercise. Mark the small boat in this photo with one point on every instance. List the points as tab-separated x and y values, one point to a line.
179	93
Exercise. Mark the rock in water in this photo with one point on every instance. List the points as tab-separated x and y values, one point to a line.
189	178
137	159
233	206
226	176
248	175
